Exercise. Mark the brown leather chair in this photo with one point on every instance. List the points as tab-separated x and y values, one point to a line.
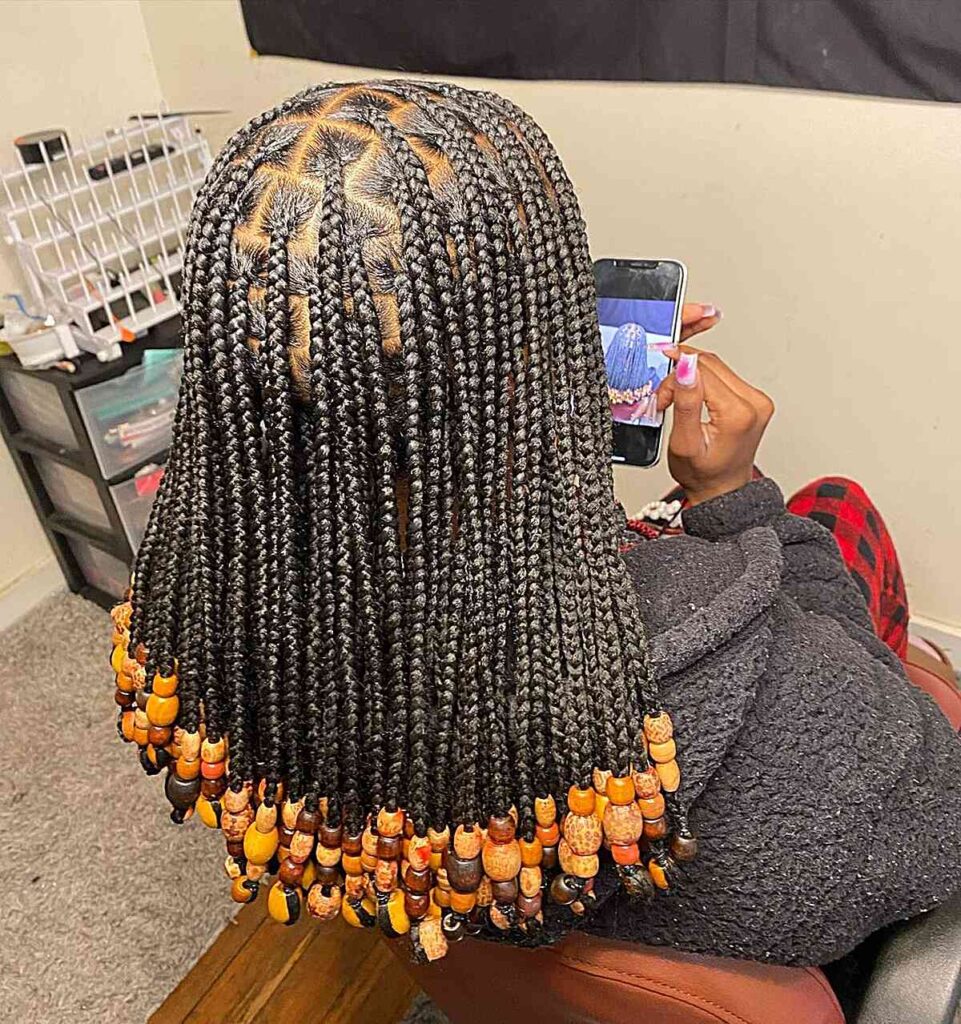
915	977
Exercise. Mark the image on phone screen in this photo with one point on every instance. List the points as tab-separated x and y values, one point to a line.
638	308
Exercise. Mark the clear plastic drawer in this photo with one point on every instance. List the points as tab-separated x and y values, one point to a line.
130	417
134	499
37	406
101	569
73	493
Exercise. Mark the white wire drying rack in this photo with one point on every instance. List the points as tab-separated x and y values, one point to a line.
99	227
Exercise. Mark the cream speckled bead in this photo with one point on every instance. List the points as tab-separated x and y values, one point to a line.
431	938
584	866
467	844
545	810
266	819
301	847
502	861
530	881
327	856
190	745
623	823
289	813
584	833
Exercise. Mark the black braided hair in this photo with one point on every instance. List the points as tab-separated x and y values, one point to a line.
384	555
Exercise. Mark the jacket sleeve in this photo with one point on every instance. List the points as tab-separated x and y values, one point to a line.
814	573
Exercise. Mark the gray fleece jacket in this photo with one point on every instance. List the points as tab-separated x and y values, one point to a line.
825	790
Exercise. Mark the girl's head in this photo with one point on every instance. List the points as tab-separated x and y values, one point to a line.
384	559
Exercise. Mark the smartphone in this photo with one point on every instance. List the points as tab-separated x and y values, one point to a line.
639	309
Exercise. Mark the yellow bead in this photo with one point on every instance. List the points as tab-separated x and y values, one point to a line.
310	875
670	775
357	919
284	902
117	657
164	686
392	915
259	846
162	710
662	752
208	812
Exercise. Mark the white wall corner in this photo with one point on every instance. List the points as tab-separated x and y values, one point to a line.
24	593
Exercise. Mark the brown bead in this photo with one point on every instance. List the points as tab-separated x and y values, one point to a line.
652	806
656	829
266	819
389	847
431	939
123	700
352	845
468	842
580	801
501	830
684	847
213	789
286	835
417	882
502	861
234	800
329	835
385	875
291	872
582	865
311	821
549	860
583	832
234	825
289	813
530	880
623	823
301	846
545	810
324	906
390	823
620	789
670	775
369	842
439	841
326	875
190	744
462	874
417	905
658	728
531	851
419	852
235	847
505	892
530	906
647	783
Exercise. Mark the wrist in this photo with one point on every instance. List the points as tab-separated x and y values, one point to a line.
714	489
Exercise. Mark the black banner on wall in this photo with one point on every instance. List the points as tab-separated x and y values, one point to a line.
907	48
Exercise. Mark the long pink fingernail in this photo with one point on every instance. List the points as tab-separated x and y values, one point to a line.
686	372
708	310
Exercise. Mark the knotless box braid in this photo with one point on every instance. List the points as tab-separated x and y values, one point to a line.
383	562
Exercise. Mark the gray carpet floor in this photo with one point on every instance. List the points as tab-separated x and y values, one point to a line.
106	905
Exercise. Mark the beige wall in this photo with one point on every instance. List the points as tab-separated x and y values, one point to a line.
824	226
75	64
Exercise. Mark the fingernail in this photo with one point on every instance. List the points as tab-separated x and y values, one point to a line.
686	372
708	311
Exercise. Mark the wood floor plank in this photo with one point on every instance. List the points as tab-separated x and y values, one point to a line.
382	991
209	967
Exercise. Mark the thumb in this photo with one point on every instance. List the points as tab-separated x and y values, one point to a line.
687	437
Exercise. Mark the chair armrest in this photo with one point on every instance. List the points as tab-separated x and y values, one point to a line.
917	975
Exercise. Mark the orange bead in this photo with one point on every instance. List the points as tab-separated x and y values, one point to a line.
188	767
670	775
502	861
658	875
658	728
623	824
580	801
158	735
352	865
162	710
652	807
462	902
125	683
126	725
532	851
548	835
583	832
390	823
625	854
663	752
164	686
418	852
620	790
117	657
212	769
601	803
656	829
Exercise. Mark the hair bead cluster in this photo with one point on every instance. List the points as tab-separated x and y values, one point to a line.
379	633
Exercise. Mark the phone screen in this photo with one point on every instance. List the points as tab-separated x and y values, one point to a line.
638	308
